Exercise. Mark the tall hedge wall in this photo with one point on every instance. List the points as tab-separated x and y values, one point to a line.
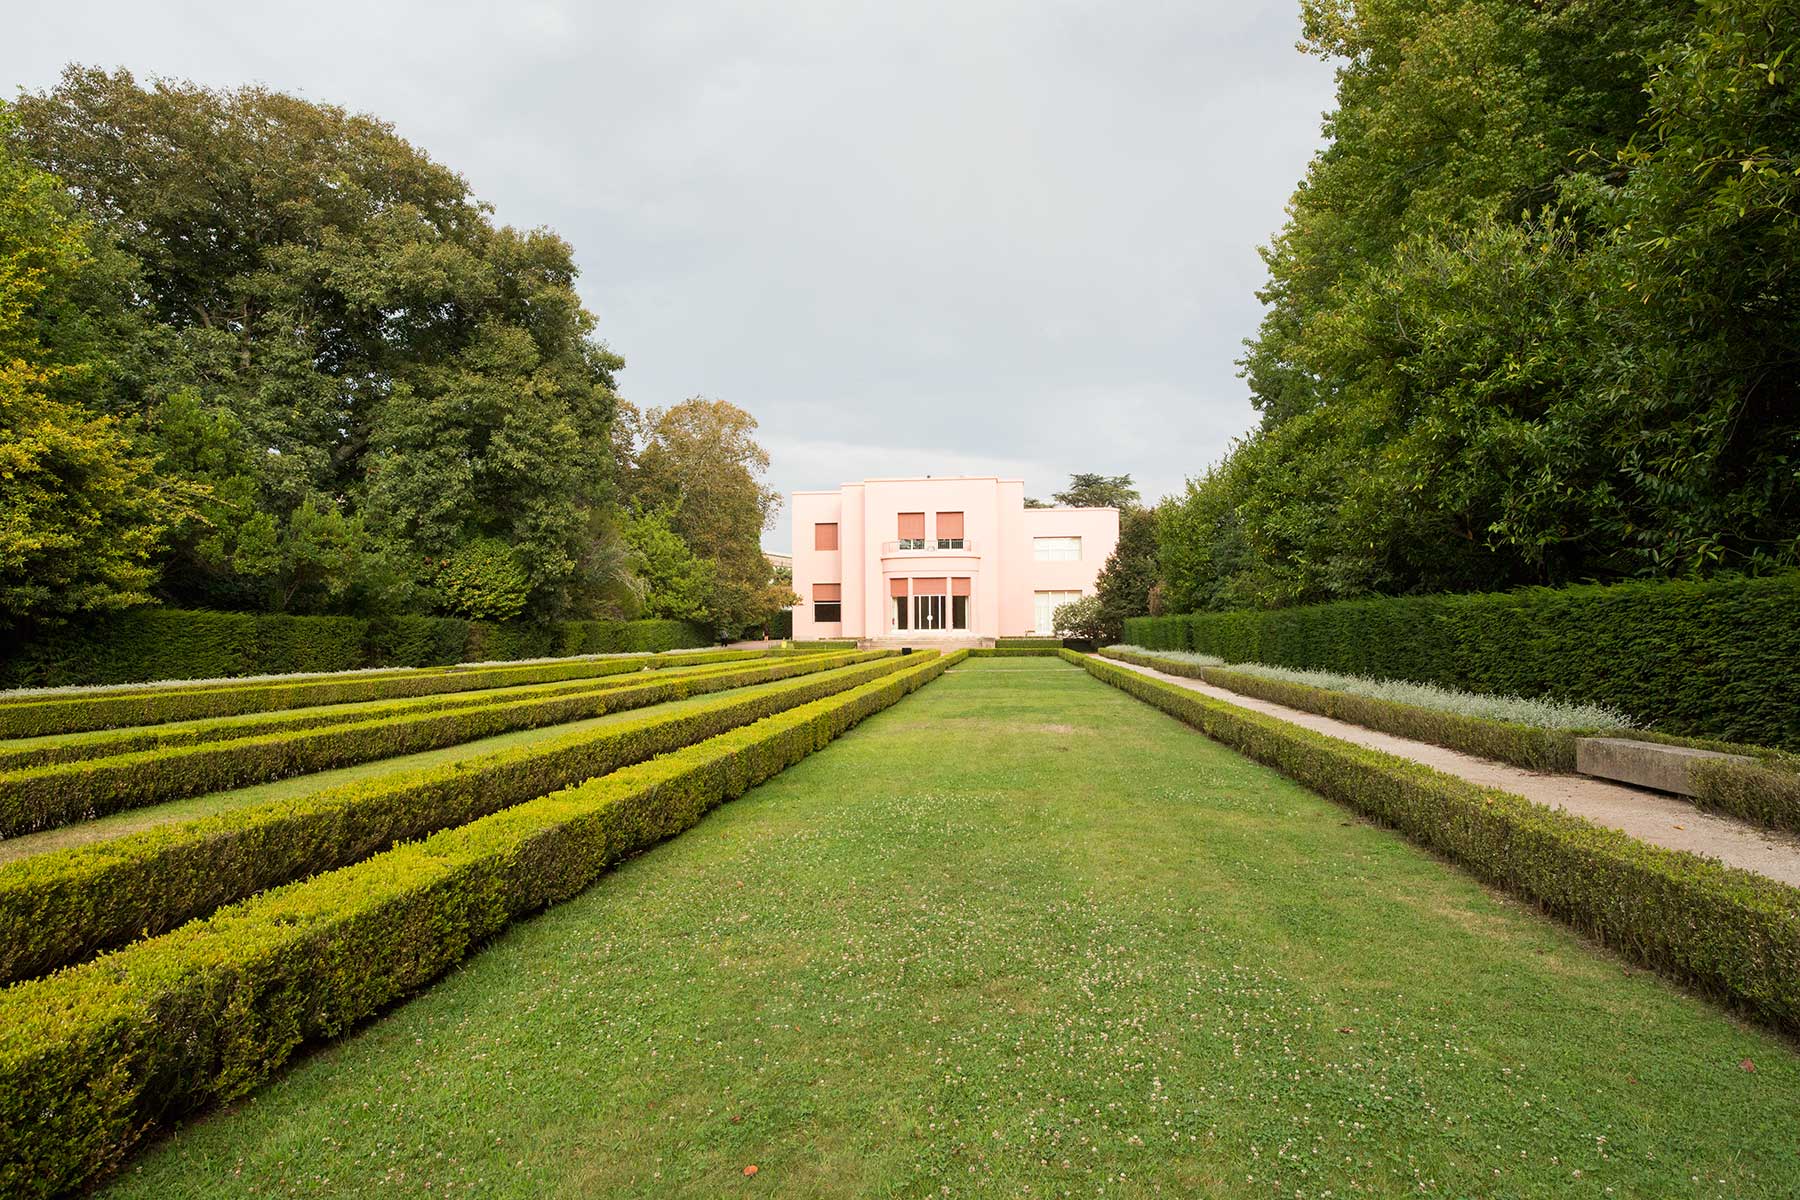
169	643
1719	659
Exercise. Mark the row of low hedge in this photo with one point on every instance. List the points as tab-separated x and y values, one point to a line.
826	644
1766	792
74	747
1049	651
1521	745
1713	659
92	1058
63	906
1028	643
1731	932
169	643
37	716
62	793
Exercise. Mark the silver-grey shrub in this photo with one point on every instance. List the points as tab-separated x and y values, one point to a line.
1539	714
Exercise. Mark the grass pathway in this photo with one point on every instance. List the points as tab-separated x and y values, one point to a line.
134	820
1022	935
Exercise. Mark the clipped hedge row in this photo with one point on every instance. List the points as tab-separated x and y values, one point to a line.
1731	932
1028	643
826	644
62	793
37	716
1049	651
64	906
1766	792
93	1057
1521	745
74	747
489	642
1713	659
172	643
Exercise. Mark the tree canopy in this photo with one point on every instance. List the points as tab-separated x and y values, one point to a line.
1533	317
263	353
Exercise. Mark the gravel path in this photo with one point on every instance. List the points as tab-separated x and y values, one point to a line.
1648	816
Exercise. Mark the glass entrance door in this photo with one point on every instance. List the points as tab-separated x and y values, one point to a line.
928	612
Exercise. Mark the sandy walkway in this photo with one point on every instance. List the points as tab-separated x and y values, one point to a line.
1648	816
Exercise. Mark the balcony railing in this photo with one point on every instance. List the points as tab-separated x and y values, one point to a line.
928	546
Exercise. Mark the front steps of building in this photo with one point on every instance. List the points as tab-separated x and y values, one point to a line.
925	642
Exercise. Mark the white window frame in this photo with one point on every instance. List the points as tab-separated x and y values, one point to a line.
1056	549
1044	606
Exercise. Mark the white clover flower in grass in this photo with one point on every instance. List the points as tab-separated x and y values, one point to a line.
1539	713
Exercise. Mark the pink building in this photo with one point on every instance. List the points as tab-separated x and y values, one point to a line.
955	557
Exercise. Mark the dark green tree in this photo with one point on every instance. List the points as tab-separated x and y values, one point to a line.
1533	316
1131	571
374	358
1088	490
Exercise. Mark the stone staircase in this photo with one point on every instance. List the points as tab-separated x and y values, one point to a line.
925	642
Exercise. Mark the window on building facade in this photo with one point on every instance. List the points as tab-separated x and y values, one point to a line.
912	531
1056	549
1045	604
828	602
949	531
959	602
825	535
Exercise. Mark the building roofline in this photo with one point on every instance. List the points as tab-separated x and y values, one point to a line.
907	479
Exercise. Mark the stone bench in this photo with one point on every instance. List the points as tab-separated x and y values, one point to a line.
1643	764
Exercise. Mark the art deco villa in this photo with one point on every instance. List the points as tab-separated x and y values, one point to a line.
954	558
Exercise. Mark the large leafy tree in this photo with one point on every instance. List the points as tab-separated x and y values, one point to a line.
381	375
1130	573
699	462
1533	315
677	583
81	510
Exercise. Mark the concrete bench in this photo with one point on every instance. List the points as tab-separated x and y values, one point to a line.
1644	764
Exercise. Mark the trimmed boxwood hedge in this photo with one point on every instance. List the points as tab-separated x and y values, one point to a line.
74	747
38	716
1049	651
1521	745
92	1058
1714	659
173	643
1731	932
826	644
64	906
1766	792
62	793
1028	643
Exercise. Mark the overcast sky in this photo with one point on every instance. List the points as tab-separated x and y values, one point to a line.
911	238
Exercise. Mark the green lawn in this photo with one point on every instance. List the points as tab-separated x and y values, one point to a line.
1024	936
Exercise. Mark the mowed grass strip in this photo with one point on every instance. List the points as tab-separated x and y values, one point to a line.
20	753
1024	935
92	1057
35	715
58	908
58	794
